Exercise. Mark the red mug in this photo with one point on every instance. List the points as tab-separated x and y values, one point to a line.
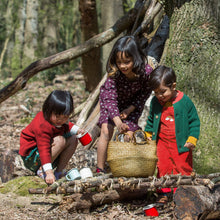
150	210
84	138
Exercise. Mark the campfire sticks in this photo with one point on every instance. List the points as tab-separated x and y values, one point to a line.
107	182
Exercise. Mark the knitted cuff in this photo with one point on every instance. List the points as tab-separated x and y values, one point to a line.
149	134
192	140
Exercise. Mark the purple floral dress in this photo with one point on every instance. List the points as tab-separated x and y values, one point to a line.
118	93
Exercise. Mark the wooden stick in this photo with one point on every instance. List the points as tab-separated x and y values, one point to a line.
151	12
106	182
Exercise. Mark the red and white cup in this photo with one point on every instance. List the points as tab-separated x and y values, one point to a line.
84	138
150	210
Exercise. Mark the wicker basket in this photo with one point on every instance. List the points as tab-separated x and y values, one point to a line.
132	159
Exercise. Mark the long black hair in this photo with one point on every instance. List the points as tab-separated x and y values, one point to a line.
58	102
130	47
162	74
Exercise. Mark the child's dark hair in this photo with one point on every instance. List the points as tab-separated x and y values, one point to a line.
58	102
162	74
130	47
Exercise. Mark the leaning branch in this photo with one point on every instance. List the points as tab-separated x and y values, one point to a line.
97	41
151	12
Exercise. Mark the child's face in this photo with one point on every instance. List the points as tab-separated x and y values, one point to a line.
164	93
58	120
125	64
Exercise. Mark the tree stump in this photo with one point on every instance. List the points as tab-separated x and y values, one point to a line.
193	202
11	165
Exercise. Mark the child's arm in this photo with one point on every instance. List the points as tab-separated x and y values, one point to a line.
194	126
122	127
73	130
124	114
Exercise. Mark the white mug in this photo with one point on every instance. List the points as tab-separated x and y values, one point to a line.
86	173
73	174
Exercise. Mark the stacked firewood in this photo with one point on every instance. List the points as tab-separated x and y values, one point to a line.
195	195
107	182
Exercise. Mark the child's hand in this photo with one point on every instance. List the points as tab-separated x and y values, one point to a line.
149	138
123	128
148	135
50	178
124	114
189	145
80	131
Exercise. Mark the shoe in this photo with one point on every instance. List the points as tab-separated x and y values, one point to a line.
59	175
41	173
99	170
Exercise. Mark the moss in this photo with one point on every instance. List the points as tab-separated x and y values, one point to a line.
193	52
21	185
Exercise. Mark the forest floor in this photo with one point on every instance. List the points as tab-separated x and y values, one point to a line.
13	119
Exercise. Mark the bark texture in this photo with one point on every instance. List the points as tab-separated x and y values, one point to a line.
193	201
91	61
193	51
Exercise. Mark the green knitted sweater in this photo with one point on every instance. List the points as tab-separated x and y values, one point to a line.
187	123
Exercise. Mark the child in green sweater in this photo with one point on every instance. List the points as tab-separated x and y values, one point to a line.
174	123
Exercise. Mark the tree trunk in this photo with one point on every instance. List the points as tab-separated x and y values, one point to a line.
109	9
16	59
9	44
91	65
30	32
49	28
192	50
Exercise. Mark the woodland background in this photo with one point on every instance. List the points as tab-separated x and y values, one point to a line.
33	29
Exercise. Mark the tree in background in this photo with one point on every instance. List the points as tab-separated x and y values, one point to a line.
30	32
111	11
91	62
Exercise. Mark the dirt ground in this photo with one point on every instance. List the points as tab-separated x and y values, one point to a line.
13	206
13	118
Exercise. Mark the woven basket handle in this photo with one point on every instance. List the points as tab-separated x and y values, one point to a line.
135	142
116	137
145	137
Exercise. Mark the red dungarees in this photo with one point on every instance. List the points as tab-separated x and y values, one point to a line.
170	161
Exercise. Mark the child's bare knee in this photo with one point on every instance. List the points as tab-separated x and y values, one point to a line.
60	140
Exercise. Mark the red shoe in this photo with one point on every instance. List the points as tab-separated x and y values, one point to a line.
99	170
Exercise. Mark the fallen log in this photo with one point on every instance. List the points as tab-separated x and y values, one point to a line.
86	193
107	182
193	202
88	200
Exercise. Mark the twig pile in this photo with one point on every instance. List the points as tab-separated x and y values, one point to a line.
108	182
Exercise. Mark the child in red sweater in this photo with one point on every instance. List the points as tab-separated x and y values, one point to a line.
49	141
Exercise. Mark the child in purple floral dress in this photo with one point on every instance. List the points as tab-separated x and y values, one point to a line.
123	95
